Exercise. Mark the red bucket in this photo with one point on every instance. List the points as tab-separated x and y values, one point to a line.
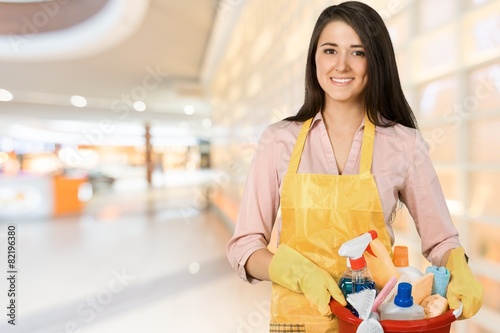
348	323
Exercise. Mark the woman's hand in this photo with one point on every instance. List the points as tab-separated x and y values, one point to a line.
292	270
463	286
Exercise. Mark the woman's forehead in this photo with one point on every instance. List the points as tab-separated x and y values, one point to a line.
339	32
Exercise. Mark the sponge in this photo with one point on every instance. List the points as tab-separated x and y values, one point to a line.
422	288
441	279
434	305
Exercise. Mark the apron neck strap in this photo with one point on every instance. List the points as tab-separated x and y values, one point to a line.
293	166
366	147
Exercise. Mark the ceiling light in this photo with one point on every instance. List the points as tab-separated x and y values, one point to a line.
6	96
139	106
189	109
78	101
207	123
194	267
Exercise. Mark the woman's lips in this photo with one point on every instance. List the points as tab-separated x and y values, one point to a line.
341	81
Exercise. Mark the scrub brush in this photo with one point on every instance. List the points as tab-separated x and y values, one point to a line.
363	303
384	292
370	325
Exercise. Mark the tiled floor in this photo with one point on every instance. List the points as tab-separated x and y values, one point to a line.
137	260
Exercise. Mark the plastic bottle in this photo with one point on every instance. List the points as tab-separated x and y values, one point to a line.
403	307
353	249
345	282
380	264
345	285
400	260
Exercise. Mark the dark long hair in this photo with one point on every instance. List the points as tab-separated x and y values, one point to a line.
384	95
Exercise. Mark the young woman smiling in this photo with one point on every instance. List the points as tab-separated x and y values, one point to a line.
337	169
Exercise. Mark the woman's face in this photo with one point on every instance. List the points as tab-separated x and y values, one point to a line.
341	64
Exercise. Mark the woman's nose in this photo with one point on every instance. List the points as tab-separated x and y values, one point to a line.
342	63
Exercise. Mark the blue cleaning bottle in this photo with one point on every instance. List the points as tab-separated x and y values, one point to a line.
353	250
345	285
345	282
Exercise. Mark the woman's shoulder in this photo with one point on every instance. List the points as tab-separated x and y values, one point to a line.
405	132
282	130
399	132
404	139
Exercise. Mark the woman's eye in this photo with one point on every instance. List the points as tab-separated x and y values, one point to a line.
330	51
359	53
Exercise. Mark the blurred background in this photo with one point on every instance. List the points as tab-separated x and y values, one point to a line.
127	128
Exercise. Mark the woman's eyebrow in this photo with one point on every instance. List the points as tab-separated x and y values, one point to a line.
336	45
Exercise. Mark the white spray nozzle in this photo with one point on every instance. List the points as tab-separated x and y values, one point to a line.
354	249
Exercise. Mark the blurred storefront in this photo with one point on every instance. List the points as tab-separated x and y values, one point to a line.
53	179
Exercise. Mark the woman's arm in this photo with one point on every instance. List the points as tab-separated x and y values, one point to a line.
257	264
257	213
444	260
424	198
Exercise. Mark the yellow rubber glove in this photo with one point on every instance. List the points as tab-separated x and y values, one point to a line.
463	287
292	270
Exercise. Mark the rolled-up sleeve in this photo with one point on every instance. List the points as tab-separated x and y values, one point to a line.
258	207
424	198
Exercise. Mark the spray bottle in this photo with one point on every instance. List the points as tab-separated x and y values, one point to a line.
345	285
353	249
345	282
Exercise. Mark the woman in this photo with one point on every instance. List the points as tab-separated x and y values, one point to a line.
336	170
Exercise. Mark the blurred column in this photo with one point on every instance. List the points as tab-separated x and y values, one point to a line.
149	154
204	154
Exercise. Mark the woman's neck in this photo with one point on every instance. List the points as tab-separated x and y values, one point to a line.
341	125
343	117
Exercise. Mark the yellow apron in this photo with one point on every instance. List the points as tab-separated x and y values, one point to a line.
320	212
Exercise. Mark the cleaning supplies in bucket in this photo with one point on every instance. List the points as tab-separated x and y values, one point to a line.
348	323
435	316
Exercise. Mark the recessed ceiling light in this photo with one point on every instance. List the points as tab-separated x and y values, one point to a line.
194	268
139	106
188	109
6	96
78	101
207	123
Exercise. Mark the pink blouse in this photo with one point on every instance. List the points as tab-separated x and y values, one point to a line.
401	167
